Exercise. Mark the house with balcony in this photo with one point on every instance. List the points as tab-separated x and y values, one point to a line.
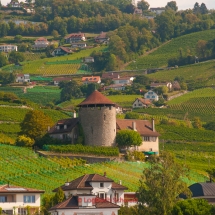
41	43
92	193
60	51
141	103
14	199
152	96
102	38
8	48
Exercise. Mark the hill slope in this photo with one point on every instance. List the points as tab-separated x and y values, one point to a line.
159	58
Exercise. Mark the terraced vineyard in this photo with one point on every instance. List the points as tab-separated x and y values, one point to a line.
160	57
33	56
25	168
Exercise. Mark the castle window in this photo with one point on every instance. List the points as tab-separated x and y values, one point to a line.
104	117
147	139
110	108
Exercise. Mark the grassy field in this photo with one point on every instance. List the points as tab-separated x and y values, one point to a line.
25	168
160	57
122	100
201	71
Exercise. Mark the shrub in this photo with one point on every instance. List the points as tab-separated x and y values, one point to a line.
132	115
24	141
135	155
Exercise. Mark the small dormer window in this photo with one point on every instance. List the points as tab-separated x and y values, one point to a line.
101	185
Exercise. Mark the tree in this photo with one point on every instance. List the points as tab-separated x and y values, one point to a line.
193	206
59	196
87	89
210	126
196	8
24	141
35	124
132	115
47	203
69	90
201	48
16	57
3	60
7	78
197	123
203	9
183	86
172	5
18	38
142	79
55	34
144	5
23	47
160	185
128	138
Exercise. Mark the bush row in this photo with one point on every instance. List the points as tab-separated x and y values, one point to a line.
80	149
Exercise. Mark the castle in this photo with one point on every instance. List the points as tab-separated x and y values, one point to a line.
97	119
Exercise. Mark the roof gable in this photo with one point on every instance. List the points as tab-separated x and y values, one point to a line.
16	189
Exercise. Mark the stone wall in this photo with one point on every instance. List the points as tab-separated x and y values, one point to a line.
99	125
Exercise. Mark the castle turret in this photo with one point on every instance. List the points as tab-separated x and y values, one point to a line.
97	116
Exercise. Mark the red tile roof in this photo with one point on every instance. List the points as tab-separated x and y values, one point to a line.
20	75
143	127
75	35
102	35
96	98
82	183
72	203
91	79
16	189
110	75
144	101
42	39
62	79
66	49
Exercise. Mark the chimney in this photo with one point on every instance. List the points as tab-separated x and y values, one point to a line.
134	126
153	124
66	183
104	174
48	128
74	114
120	182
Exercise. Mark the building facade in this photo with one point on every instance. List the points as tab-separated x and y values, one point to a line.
8	48
152	96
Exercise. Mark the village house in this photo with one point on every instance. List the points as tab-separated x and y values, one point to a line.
14	4
41	42
157	10
91	79
138	12
99	193
176	86
79	45
14	199
21	78
150	137
115	87
60	51
110	75
89	60
65	130
123	80
8	48
56	81
102	38
141	103
165	84
152	96
75	38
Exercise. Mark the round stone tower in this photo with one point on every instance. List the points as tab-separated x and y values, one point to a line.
97	115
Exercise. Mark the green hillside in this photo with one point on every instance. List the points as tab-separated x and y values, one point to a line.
25	168
160	57
201	71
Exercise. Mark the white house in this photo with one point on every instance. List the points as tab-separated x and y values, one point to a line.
115	87
14	199
41	42
79	45
75	38
89	59
150	137
158	10
123	80
91	194
60	79
20	78
141	103
151	96
8	48
15	4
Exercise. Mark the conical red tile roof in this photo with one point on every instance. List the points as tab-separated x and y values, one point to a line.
96	98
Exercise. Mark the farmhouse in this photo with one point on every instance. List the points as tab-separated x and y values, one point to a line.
60	79
14	199
92	79
115	87
75	38
151	96
150	137
141	103
65	130
8	48
102	38
61	51
79	45
21	78
123	80
15	4
41	42
111	75
138	12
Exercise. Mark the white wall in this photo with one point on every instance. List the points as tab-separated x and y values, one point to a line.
148	145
